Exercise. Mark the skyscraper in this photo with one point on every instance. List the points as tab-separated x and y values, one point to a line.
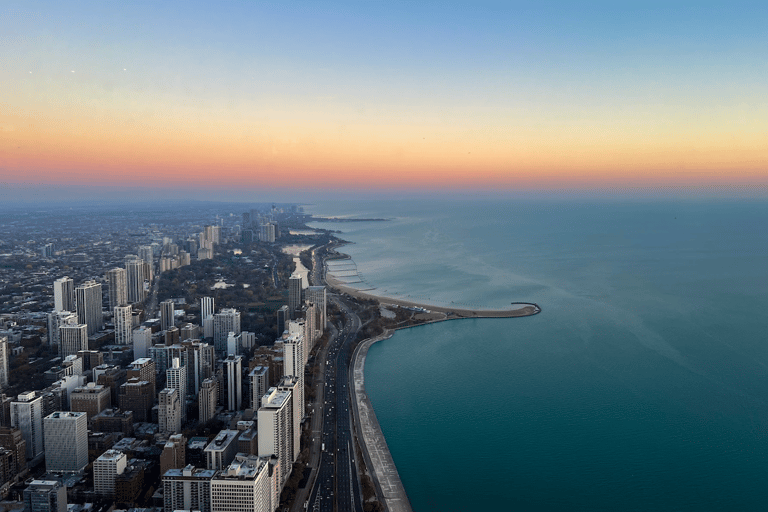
209	395
317	295
142	340
123	316
88	304
3	363
244	486
188	488
224	322
259	378
233	372
293	365
166	314
275	435
64	294
27	416
137	271
105	470
117	282
169	411
57	319
66	441
283	315
73	338
176	378
294	294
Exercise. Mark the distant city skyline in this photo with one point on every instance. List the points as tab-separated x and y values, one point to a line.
243	98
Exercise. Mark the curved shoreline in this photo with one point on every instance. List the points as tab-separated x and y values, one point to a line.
373	444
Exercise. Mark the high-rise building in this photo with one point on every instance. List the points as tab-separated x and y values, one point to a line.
176	378
317	295
294	385
294	294
244	486
45	496
73	338
64	294
27	415
106	468
293	365
66	441
222	450
173	454
123	316
233	372
169	411
57	319
209	396
311	333
275	435
117	283
142	340
224	322
3	363
166	314
88	305
283	316
147	253
188	488
137	272
267	232
142	369
90	399
259	378
137	396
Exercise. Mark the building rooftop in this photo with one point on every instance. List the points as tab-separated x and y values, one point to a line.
222	440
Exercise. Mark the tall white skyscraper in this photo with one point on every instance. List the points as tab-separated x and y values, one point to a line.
259	378
142	340
206	316
27	415
317	295
56	320
176	378
166	314
243	486
72	339
224	322
64	294
3	363
233	372
293	364
123	316
105	470
88	303
117	283
294	294
274	424
293	385
66	441
206	307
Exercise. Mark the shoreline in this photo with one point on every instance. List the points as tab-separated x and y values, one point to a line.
373	444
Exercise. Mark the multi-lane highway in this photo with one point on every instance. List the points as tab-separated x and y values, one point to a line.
336	487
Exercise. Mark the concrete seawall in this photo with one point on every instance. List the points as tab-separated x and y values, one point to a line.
378	460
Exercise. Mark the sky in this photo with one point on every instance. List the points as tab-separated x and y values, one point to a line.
236	99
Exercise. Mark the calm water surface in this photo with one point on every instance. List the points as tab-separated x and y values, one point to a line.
643	384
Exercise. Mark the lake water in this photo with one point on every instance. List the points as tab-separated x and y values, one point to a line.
642	385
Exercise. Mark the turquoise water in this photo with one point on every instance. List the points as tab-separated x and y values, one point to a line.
643	384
